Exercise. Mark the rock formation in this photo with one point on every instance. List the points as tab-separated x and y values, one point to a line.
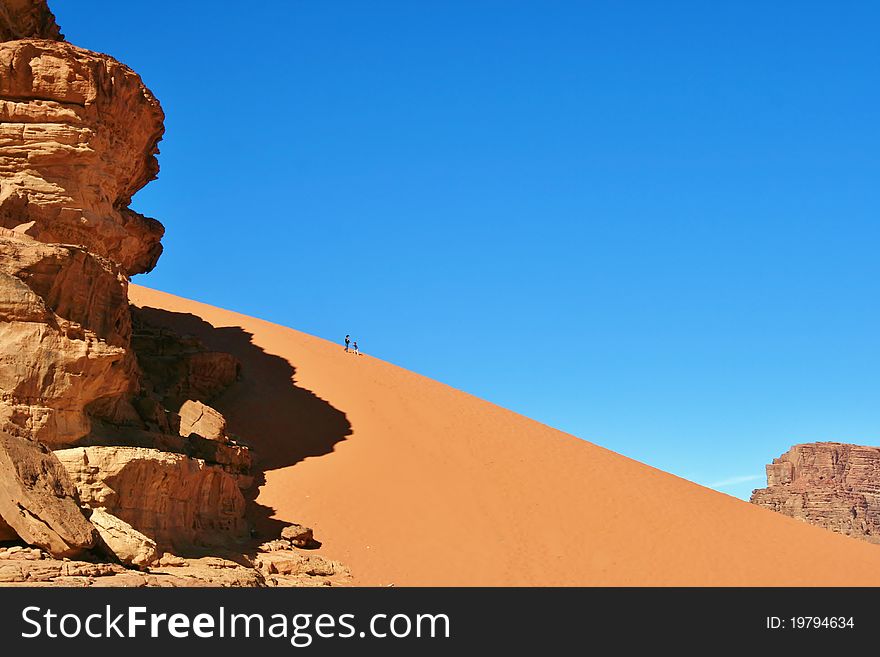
64	333
78	138
832	485
108	446
38	501
179	368
177	501
22	19
299	536
20	566
78	135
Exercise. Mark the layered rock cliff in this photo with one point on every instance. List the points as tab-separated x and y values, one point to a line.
78	138
109	448
65	329
22	19
832	485
179	502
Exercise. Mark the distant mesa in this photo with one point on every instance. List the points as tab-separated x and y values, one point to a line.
830	485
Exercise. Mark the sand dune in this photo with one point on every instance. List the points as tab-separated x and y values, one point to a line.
411	482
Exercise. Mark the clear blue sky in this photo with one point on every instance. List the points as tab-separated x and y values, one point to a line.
655	225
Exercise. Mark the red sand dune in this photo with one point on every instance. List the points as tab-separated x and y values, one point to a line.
411	482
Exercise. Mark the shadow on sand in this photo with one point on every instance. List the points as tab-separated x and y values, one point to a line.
282	422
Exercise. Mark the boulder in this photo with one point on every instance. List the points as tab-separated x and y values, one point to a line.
123	541
299	536
202	420
38	499
179	502
294	563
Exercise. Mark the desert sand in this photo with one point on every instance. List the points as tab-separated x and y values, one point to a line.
411	482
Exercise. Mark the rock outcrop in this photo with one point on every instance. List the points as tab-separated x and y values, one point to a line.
832	485
22	19
109	449
78	138
177	501
78	135
64	333
20	566
177	368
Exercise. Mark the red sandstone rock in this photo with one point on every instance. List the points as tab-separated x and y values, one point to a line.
32	567
63	337
202	420
123	404
23	19
295	563
78	137
38	500
832	485
177	501
299	536
123	541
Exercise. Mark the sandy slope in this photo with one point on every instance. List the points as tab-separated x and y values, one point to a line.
411	482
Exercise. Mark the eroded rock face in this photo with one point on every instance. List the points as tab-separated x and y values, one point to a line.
78	137
64	331
177	501
21	19
141	463
178	368
832	485
38	500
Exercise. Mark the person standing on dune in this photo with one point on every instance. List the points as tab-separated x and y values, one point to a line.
347	341
356	352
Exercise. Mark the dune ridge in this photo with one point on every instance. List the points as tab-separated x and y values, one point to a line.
410	482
